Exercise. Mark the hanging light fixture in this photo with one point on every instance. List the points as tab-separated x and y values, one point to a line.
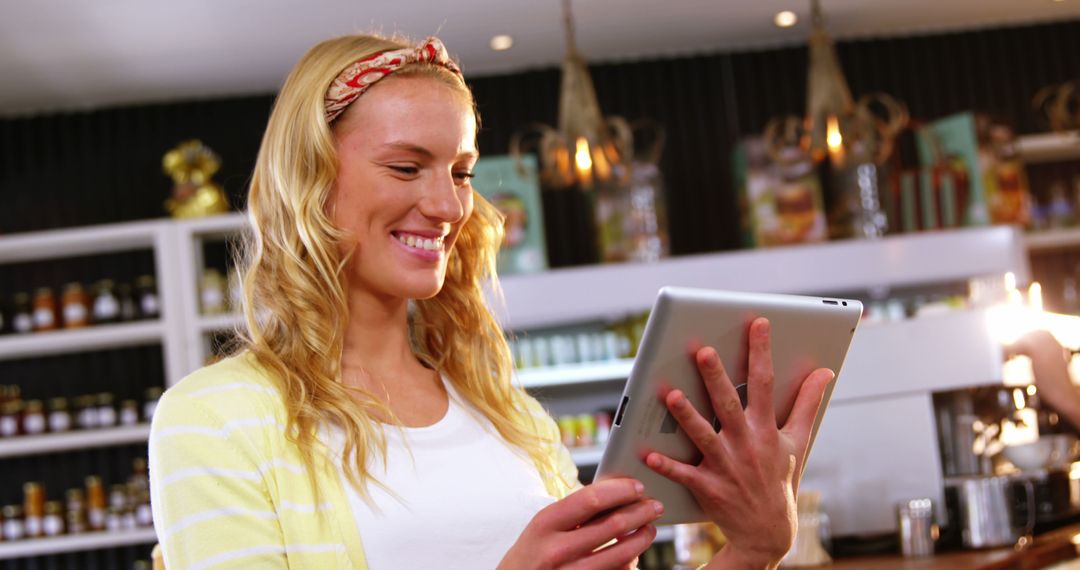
836	126
587	149
855	137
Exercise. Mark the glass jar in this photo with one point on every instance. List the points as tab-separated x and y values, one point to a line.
44	307
10	418
147	296
75	305
212	292
34	509
33	420
129	413
53	523
106	307
87	415
22	317
150	404
14	528
106	412
76	511
59	416
95	503
128	309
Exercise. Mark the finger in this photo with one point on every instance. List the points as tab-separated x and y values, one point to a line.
805	410
722	394
677	471
760	375
584	504
699	429
807	403
611	526
620	554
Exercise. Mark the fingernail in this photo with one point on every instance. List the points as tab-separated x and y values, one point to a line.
659	507
639	487
712	360
765	328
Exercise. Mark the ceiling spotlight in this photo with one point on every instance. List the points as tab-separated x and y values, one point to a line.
785	19
502	42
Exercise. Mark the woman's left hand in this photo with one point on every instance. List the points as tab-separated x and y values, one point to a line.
749	473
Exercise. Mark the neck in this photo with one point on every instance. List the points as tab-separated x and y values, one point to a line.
376	343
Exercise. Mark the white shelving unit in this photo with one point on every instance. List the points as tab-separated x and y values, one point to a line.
549	376
607	291
75	543
191	236
81	340
155	235
68	441
586	456
1050	240
1049	147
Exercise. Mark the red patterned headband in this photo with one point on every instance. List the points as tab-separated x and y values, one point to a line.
361	74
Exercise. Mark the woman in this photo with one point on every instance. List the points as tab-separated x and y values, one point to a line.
353	432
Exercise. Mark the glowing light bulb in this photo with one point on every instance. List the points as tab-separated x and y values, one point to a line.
584	162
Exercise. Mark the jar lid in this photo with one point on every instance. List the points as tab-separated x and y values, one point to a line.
12	512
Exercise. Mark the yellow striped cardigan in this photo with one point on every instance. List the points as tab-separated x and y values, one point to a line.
230	491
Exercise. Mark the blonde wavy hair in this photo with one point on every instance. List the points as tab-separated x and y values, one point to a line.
294	283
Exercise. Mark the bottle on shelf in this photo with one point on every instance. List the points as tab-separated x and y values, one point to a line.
22	316
87	414
59	416
95	503
75	306
150	403
44	307
76	511
212	292
129	413
146	292
106	412
33	420
139	491
13	527
34	509
106	307
128	309
10	418
53	522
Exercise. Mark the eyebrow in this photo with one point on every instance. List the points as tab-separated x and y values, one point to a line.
417	149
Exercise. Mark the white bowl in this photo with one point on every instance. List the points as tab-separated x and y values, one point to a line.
1030	456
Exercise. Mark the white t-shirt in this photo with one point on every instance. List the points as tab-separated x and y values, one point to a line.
463	495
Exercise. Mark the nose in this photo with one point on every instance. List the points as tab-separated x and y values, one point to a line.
441	200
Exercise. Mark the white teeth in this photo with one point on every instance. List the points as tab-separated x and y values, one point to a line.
428	244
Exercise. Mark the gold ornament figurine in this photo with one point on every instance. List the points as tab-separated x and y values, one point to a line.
191	164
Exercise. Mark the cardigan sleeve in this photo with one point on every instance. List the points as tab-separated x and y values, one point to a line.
210	500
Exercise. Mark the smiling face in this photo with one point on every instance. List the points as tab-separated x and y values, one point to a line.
406	150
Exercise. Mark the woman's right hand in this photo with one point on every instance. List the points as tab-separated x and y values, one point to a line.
567	533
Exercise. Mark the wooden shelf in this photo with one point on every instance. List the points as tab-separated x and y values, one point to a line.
75	543
67	441
81	340
575	373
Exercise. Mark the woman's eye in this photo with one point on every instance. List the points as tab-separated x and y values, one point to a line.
407	170
464	176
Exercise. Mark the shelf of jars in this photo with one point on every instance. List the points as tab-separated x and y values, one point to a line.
99	337
74	440
76	542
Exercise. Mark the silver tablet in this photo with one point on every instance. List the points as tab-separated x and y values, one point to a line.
807	333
